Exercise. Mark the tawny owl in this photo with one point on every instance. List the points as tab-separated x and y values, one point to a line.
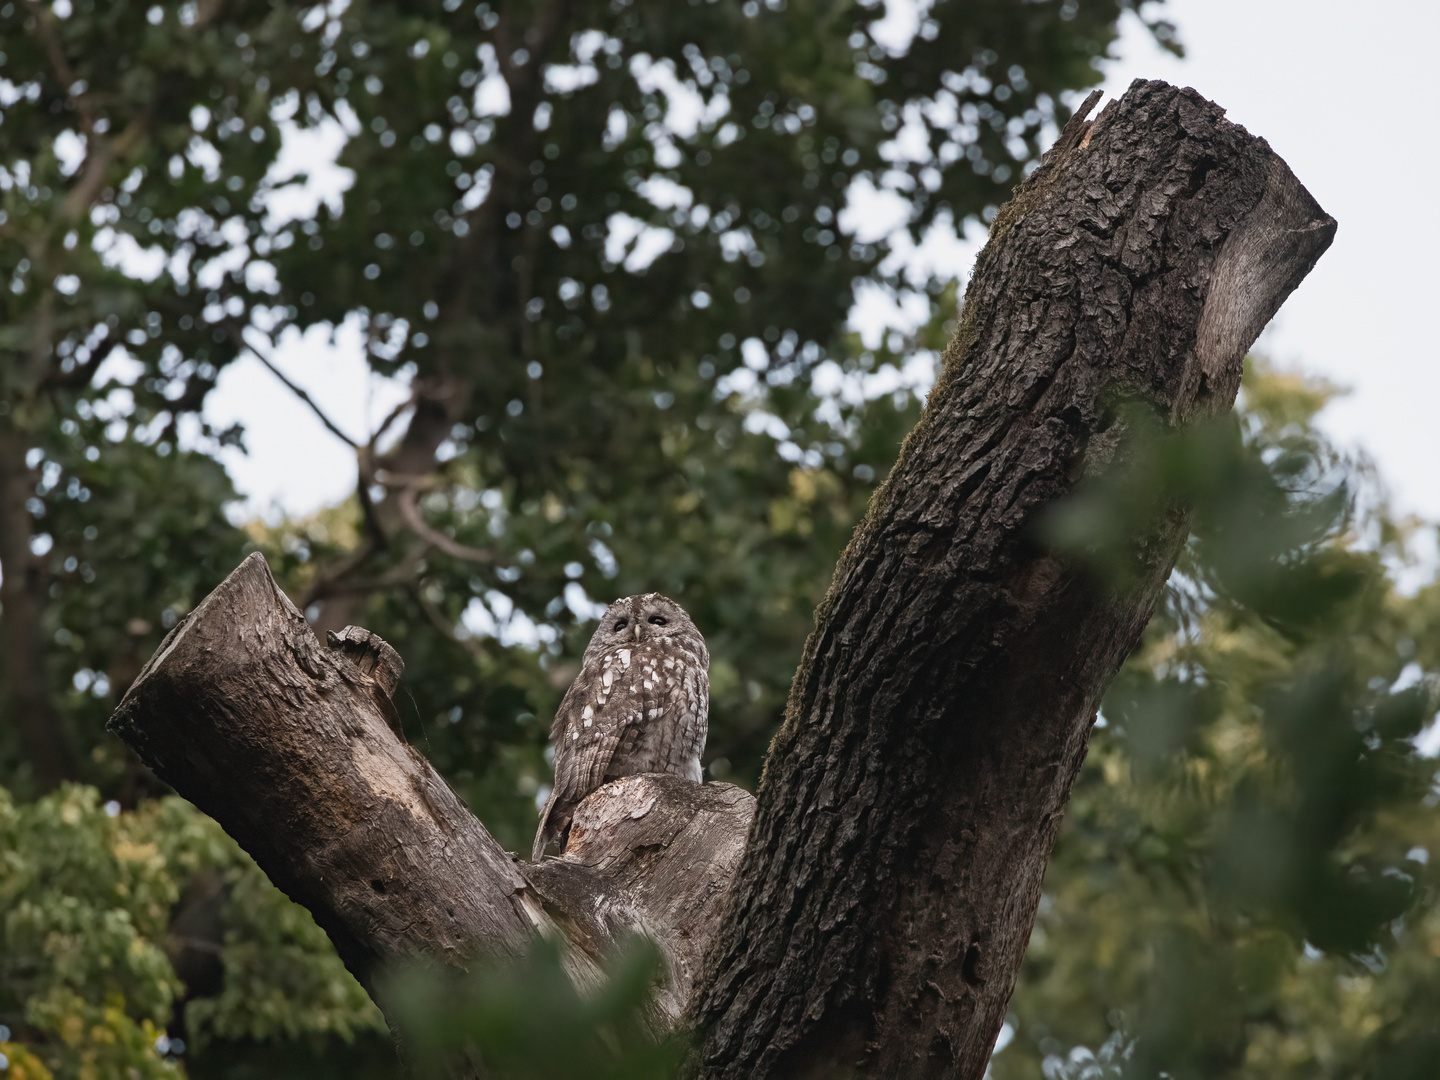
640	704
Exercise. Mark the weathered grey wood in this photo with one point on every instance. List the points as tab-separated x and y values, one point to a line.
944	701
293	748
652	855
282	741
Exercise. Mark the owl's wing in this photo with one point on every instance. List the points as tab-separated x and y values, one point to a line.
591	721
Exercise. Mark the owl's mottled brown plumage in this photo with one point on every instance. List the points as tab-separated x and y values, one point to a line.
640	704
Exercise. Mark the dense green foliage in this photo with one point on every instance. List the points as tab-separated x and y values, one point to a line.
1242	887
607	246
89	935
585	410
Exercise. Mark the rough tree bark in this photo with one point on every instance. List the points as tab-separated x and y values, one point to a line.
944	701
880	911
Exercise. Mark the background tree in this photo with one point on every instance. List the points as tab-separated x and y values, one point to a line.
113	216
570	222
509	166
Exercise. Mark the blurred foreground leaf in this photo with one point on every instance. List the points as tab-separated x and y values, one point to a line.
525	1021
1244	885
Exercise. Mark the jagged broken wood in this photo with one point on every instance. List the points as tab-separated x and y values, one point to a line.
878	913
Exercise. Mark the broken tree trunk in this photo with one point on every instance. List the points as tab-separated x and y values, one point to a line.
292	747
942	707
881	909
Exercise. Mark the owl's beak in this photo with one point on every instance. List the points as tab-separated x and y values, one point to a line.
636	625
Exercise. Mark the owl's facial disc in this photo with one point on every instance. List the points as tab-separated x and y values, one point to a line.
635	619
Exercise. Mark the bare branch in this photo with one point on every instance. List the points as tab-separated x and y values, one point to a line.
395	414
341	582
365	468
328	585
101	154
330	425
45	31
405	498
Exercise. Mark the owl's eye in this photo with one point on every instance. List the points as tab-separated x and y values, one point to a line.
620	624
658	620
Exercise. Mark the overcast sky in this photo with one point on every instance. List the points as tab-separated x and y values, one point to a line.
1348	96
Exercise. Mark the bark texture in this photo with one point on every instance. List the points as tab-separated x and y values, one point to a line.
294	748
944	701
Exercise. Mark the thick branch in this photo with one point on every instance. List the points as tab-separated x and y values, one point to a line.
437	403
944	702
293	748
409	510
290	747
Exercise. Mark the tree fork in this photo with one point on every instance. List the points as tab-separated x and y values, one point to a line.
945	699
881	908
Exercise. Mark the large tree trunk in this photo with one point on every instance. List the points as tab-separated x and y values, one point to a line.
24	689
941	710
944	702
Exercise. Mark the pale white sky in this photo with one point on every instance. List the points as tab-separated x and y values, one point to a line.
1348	96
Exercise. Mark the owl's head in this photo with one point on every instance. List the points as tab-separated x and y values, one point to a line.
648	617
